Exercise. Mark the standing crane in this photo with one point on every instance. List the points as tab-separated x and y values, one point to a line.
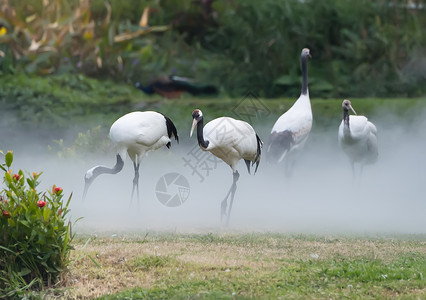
135	133
357	138
291	130
230	140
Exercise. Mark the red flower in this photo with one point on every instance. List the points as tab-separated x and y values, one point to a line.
6	214
41	203
59	212
17	176
58	190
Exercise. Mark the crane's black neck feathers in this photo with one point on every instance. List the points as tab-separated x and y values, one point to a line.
304	64
105	170
346	117
171	130
200	135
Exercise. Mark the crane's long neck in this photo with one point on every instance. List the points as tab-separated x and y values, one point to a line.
346	128
200	135
105	170
98	170
304	64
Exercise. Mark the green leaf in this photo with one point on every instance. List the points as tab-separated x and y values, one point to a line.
46	213
11	222
9	158
8	177
31	183
94	261
7	249
24	271
25	223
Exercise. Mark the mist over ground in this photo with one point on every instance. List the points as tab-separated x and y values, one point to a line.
320	197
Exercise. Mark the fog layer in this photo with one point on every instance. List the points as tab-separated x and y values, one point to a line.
321	197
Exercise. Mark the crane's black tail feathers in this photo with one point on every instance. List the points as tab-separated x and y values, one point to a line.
278	144
171	130
258	154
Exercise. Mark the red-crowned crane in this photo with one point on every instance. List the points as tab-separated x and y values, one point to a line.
135	133
230	140
358	138
291	130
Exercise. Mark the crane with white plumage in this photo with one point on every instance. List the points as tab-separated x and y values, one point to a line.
357	137
291	130
230	140
136	134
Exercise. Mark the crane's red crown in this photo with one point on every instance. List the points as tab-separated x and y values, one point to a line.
197	113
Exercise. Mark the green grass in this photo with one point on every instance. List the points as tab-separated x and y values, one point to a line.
148	262
249	266
338	278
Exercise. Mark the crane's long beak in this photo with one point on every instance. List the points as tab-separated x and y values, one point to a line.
194	123
351	108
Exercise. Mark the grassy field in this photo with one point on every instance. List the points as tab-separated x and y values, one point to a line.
229	265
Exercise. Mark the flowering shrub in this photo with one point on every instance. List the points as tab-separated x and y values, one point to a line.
35	235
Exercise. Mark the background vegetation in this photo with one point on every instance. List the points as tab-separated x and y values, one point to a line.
362	48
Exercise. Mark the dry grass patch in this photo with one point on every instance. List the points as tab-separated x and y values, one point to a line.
110	265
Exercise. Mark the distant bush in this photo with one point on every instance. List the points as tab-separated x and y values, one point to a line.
35	236
62	101
88	143
359	48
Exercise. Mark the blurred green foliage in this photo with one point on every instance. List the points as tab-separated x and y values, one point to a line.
359	48
92	141
61	101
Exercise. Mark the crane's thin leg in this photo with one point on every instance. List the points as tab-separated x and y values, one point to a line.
137	186
236	176
135	183
224	204
231	192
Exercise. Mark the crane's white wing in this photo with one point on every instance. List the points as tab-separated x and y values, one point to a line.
139	132
231	139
